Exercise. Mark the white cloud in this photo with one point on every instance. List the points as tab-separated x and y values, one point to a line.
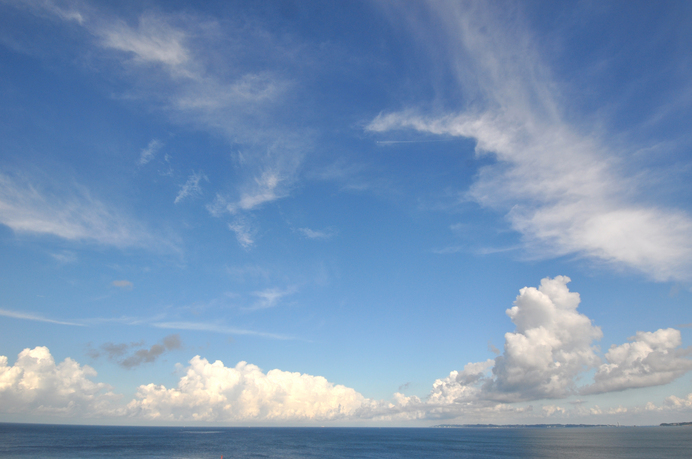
550	350
153	41
551	346
460	386
243	233
677	403
316	234
73	215
212	392
173	63
36	385
270	297
651	359
550	410
150	152
191	188
669	406
235	104
60	9
264	190
274	174
563	190
215	393
208	392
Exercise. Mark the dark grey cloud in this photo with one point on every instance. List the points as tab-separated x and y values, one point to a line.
128	355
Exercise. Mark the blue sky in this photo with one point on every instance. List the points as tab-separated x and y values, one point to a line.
390	213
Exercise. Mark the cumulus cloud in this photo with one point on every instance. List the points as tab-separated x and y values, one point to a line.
134	354
461	386
552	348
216	393
561	189
36	385
552	344
671	404
150	152
545	356
191	188
550	410
677	403
650	359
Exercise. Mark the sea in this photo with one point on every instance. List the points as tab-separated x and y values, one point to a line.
67	441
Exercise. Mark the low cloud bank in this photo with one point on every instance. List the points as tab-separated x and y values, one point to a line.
35	384
214	392
543	359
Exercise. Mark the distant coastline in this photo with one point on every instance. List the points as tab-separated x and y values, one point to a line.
544	426
518	426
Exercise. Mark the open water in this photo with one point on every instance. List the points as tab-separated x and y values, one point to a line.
59	441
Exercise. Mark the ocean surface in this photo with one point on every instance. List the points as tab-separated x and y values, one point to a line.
56	441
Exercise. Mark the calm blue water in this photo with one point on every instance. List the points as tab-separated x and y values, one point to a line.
50	441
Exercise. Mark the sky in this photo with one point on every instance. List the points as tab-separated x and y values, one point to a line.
377	213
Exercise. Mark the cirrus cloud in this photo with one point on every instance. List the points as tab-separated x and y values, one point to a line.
70	213
560	186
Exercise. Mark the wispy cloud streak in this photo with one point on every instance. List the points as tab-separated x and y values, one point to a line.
149	152
72	215
35	317
218	328
191	187
316	234
270	297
